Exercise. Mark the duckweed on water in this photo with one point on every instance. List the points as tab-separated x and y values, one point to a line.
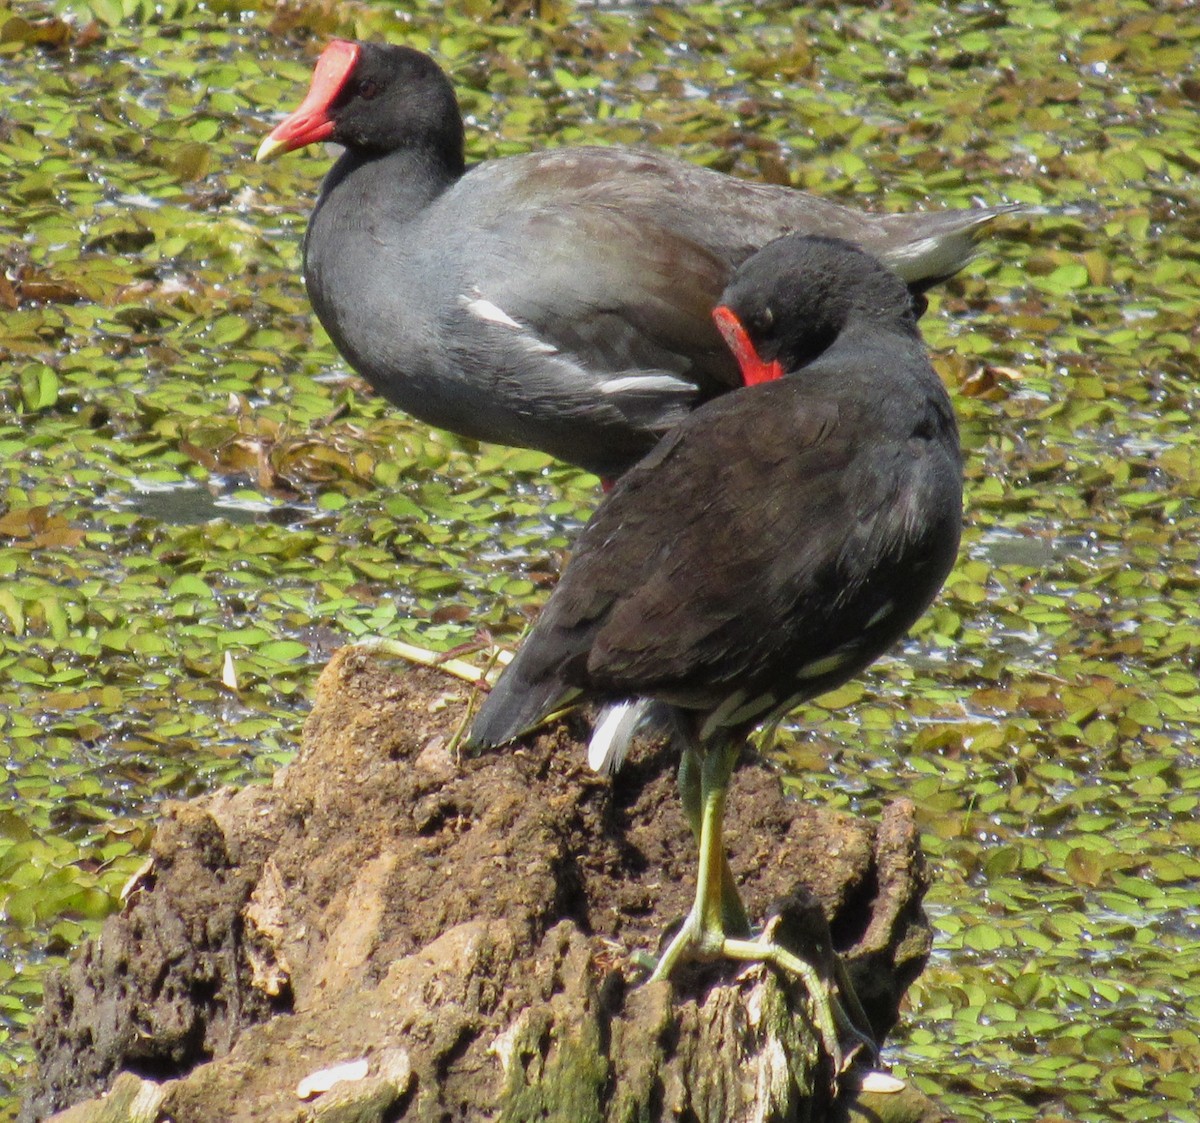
188	471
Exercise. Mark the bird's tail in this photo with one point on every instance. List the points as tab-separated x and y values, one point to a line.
927	247
516	705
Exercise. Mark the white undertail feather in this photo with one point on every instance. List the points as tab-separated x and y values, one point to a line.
931	257
944	252
613	734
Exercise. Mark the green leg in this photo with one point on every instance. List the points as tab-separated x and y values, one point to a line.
733	914
703	932
703	784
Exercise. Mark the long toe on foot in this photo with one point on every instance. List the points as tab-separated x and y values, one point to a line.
795	940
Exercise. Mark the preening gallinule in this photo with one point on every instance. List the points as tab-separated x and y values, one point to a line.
771	546
558	300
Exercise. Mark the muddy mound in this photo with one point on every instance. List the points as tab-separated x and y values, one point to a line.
459	931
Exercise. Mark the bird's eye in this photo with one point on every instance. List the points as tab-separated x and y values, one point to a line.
368	89
765	319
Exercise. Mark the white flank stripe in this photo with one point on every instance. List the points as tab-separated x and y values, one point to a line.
882	614
751	709
646	384
820	667
717	718
493	313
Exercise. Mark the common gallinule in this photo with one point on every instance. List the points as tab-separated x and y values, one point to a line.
558	300
771	546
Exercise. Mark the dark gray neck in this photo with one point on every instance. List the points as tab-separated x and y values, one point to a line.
396	186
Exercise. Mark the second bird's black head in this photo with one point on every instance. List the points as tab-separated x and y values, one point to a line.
799	293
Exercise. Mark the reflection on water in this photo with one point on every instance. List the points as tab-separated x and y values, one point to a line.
189	503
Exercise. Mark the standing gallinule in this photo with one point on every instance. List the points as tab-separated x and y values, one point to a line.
776	542
558	300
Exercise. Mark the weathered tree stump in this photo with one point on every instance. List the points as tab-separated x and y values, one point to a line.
456	932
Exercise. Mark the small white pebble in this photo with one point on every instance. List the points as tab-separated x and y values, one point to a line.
229	673
882	1082
315	1083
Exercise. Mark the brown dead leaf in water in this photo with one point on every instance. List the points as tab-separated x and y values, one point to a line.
992	383
34	528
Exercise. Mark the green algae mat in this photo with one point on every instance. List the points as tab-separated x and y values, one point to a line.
198	502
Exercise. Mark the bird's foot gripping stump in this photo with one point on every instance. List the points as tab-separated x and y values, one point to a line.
717	927
457	934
